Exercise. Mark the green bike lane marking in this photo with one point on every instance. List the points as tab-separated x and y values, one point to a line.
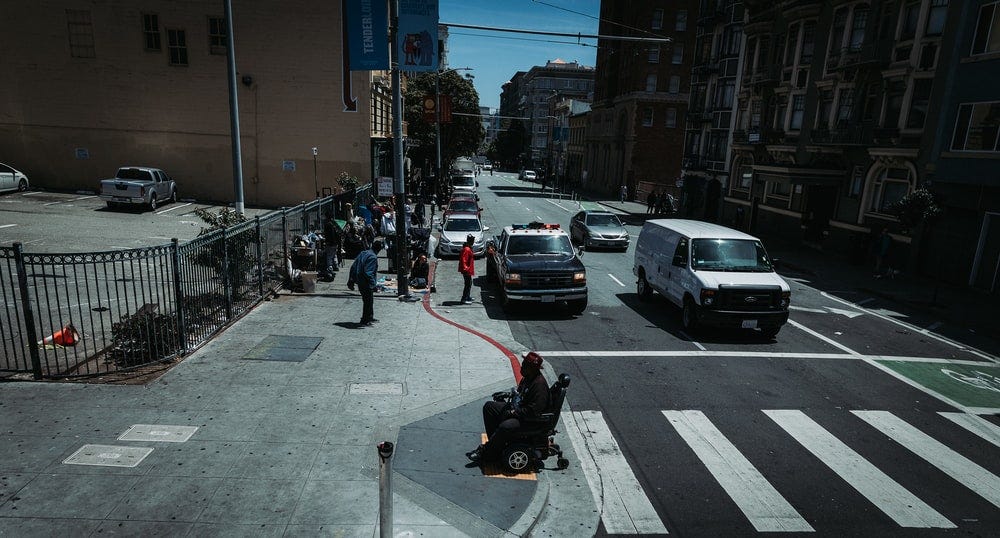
972	386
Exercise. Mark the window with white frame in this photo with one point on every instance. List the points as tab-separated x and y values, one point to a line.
177	47
653	55
791	44
837	31
936	17
798	110
893	103
755	107
678	56
808	43
651	82
824	109
671	118
682	20
647	117
909	17
675	84
780	189
919	100
845	107
857	182
891	185
657	22
987	37
151	32
977	127
746	177
858	28
216	35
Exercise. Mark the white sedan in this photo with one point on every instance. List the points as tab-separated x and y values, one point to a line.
455	229
12	180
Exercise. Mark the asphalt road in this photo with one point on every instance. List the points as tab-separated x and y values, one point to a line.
837	427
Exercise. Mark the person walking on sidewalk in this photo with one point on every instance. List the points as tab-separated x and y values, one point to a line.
651	200
622	193
467	266
364	273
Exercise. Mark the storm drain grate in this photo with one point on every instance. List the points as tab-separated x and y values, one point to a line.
158	432
108	455
284	348
377	389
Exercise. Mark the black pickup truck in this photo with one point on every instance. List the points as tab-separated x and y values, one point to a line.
536	264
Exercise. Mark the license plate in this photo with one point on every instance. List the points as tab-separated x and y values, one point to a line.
548	298
749	324
121	199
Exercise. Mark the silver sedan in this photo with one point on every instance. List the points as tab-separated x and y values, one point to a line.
598	229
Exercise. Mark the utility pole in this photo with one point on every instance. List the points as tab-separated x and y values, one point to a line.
234	108
315	176
399	186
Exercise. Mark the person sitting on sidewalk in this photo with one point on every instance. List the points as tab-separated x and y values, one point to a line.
501	419
419	272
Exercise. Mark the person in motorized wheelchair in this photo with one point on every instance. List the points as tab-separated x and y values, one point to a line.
518	423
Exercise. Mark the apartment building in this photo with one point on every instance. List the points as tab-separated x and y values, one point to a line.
543	86
635	131
91	86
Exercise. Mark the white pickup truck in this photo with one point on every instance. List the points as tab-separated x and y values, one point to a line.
138	185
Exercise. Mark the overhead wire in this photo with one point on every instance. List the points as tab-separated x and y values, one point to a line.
525	39
599	19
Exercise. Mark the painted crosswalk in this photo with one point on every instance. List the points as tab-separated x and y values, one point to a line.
627	509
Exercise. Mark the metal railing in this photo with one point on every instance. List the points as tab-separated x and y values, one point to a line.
96	313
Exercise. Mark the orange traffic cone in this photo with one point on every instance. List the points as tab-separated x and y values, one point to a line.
67	336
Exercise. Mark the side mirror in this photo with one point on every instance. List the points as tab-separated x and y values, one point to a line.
579	251
486	229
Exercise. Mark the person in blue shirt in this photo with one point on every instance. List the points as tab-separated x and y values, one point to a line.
364	273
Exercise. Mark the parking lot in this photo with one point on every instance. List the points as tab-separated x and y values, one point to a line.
48	222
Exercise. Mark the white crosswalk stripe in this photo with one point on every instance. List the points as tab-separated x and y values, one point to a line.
977	425
766	509
885	493
966	472
625	509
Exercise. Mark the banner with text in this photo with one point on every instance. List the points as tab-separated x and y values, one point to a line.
367	32
416	41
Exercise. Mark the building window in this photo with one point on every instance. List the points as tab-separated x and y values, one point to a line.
682	20
858	28
81	33
790	43
893	104
755	107
910	16
678	54
781	189
857	183
824	109
845	107
653	55
177	47
671	118
808	42
675	84
746	177
798	110
657	22
918	103
647	117
986	39
891	185
936	17
651	83
151	32
216	35
732	40
977	127
724	93
837	33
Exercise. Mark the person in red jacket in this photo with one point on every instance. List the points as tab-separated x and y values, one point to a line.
467	266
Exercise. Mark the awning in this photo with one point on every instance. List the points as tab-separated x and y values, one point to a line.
799	175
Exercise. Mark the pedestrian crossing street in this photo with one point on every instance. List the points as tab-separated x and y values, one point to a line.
626	509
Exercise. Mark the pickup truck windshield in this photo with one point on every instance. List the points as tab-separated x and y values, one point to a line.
133	173
734	255
540	244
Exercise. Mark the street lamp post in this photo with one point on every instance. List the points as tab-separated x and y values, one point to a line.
315	175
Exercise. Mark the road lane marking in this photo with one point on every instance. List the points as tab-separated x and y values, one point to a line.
692	340
549	200
885	493
756	354
953	464
172	209
620	283
7	225
925	332
56	202
83	198
766	509
977	425
31	193
624	507
830	341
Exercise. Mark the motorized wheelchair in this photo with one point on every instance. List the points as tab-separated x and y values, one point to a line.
532	443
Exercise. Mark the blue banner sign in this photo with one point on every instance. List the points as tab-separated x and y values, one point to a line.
368	34
417	42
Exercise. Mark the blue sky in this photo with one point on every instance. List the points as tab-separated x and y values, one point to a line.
495	59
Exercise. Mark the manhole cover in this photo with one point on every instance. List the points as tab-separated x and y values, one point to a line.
376	388
283	348
108	455
158	432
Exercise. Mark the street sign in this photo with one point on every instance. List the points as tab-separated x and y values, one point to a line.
384	186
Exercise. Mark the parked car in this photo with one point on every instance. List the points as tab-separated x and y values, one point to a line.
12	179
528	175
465	182
455	229
717	276
598	229
461	205
138	185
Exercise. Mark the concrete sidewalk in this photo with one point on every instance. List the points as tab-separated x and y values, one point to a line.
957	312
286	407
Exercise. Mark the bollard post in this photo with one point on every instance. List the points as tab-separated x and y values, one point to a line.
385	449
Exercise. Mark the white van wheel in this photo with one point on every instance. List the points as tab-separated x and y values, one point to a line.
642	288
689	318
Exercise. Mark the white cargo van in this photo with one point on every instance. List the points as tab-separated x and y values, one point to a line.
717	276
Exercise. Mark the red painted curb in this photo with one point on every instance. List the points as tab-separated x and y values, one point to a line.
515	364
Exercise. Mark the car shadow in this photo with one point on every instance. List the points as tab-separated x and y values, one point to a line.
662	314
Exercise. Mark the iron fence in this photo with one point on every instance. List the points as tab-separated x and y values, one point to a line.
96	313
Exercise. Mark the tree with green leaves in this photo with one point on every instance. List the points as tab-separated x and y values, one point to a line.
461	137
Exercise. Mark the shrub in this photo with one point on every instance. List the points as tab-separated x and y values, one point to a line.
916	207
348	182
143	337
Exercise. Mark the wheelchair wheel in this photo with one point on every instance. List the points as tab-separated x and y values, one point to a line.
562	463
516	458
